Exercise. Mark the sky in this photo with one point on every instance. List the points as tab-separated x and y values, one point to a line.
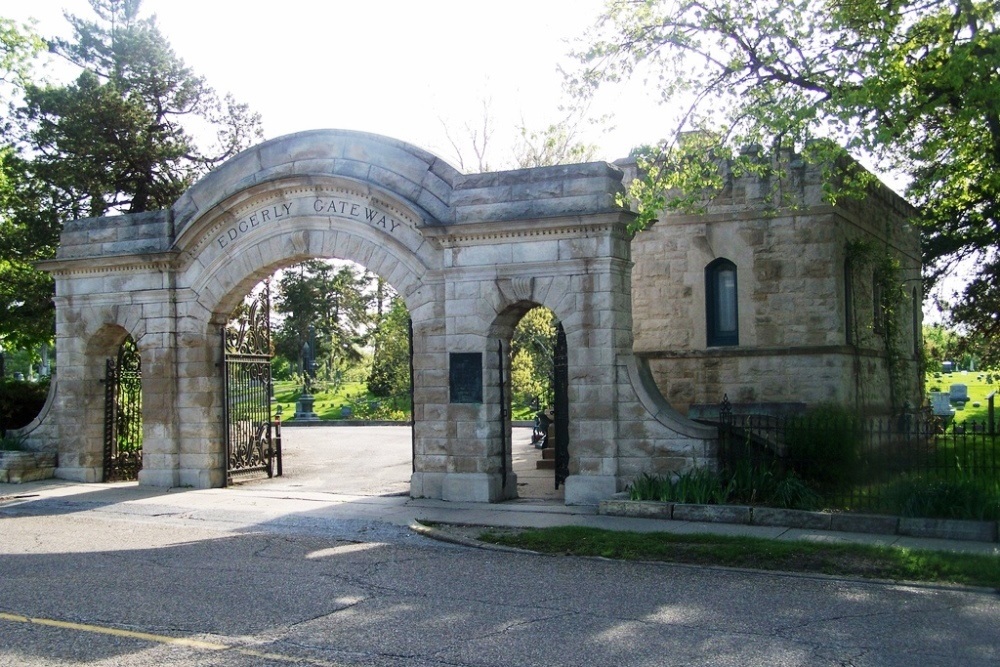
404	69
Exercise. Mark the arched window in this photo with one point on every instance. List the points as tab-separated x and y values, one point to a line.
720	301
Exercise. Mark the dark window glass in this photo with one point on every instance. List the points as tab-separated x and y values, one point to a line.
721	303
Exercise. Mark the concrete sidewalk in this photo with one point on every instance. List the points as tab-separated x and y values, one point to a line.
258	508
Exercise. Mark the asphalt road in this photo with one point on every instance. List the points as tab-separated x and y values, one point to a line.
123	576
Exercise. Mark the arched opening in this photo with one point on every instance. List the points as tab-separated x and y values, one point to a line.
338	397
123	414
537	405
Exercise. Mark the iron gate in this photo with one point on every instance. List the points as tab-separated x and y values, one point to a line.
123	415
560	376
246	342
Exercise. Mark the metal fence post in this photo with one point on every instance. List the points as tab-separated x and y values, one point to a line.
991	414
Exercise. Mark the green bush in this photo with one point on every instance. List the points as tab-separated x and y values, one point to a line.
11	443
21	401
824	445
745	485
964	497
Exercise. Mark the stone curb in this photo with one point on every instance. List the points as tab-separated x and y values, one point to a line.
443	535
947	529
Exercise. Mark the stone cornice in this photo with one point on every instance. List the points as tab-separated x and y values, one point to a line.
451	236
110	264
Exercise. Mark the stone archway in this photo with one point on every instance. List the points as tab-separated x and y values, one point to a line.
460	249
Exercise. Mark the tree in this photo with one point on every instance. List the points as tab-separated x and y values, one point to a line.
118	138
325	305
532	351
912	84
390	373
557	143
25	232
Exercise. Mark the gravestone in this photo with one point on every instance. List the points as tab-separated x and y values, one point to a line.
941	404
947	366
959	393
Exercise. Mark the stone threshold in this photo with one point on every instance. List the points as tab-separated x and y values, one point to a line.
947	529
18	467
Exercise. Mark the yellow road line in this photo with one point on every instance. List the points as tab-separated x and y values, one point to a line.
160	639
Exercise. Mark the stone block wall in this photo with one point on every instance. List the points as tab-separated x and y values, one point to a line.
805	333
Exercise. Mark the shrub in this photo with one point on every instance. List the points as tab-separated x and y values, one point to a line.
11	443
824	445
21	401
649	487
699	486
964	497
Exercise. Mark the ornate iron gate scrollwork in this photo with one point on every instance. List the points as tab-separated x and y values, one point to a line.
246	343
123	414
560	373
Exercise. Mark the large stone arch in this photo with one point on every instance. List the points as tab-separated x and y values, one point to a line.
464	251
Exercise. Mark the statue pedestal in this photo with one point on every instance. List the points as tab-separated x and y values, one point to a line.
304	409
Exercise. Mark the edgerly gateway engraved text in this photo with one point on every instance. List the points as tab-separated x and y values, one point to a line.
351	209
344	208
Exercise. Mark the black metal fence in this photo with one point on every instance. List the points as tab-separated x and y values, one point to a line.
867	464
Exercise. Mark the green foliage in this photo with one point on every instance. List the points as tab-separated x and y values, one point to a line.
940	344
674	177
964	496
21	401
879	269
390	367
765	485
911	85
116	138
12	443
824	445
746	484
326	306
532	350
26	234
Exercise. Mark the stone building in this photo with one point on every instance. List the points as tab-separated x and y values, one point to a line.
784	306
791	319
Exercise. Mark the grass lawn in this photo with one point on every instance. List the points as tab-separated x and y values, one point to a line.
979	389
329	401
833	559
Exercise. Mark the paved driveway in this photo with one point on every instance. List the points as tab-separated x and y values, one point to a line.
378	460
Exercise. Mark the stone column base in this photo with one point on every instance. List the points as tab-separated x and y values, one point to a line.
88	475
465	487
589	489
162	478
202	479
